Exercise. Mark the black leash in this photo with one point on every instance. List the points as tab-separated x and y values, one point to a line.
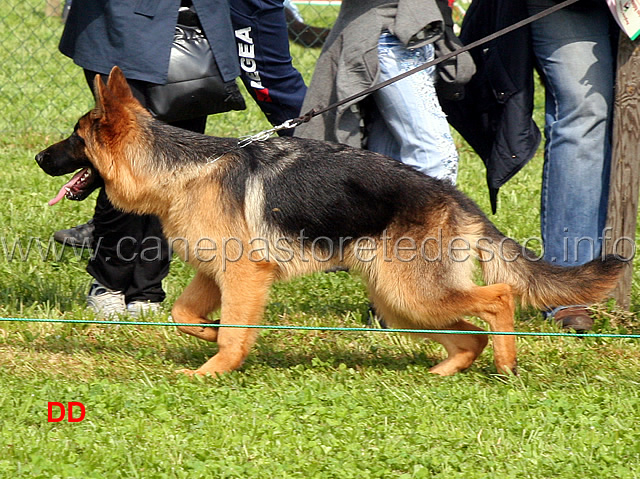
313	112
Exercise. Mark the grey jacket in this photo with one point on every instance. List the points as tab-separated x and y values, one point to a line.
349	64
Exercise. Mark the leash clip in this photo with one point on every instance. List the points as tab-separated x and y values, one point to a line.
266	134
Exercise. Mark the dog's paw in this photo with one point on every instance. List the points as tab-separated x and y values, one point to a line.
197	373
189	372
508	369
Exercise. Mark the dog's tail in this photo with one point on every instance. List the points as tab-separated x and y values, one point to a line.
541	284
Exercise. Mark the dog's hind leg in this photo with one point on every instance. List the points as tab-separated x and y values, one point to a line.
245	291
462	349
495	305
200	297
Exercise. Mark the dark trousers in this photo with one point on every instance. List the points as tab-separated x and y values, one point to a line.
131	254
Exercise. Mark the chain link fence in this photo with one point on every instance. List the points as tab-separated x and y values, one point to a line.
44	92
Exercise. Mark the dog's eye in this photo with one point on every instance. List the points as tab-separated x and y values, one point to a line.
77	139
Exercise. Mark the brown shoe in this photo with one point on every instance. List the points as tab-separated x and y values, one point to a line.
574	317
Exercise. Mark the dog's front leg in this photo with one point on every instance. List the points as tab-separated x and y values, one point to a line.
200	298
245	290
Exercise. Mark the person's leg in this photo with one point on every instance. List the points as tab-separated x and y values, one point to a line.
130	259
153	254
265	61
575	55
115	245
574	52
414	129
131	255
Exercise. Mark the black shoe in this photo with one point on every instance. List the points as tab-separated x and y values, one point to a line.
81	235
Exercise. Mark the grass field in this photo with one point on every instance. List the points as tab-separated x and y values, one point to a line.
307	403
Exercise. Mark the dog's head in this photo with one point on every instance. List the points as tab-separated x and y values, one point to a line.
101	138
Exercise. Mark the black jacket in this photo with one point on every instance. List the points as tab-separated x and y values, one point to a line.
495	116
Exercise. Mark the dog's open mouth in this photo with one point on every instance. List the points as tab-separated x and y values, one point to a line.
83	183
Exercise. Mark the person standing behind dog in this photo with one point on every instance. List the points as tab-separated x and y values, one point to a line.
371	42
577	59
575	56
248	38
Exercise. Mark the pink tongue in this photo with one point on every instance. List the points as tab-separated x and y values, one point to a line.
63	190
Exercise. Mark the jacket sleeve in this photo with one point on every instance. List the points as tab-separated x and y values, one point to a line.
456	72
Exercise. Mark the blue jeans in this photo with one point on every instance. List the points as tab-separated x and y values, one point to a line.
574	52
411	127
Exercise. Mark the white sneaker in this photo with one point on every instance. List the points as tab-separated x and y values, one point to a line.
106	302
142	308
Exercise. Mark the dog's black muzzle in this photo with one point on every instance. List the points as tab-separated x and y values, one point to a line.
66	157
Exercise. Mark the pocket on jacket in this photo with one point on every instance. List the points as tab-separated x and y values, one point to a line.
147	8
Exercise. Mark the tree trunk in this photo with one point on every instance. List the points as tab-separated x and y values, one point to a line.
625	168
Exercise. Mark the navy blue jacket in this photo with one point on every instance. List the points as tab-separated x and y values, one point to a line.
495	116
136	35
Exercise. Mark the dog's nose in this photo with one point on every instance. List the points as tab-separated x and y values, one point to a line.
40	157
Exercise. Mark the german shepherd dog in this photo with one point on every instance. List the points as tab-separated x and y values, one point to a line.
287	206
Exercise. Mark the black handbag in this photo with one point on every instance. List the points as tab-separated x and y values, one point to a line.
194	85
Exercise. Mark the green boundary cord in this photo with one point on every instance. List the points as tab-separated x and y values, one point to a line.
322	328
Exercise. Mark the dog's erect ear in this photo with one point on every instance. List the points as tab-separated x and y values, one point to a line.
112	97
106	103
118	85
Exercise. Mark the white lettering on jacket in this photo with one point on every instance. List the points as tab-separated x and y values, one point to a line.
246	52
